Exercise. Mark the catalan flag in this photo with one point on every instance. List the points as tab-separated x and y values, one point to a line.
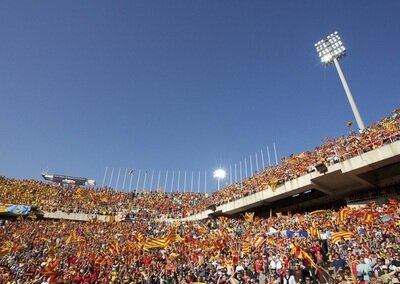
314	231
249	216
273	183
393	204
307	257
246	246
299	253
259	241
317	212
172	237
71	238
337	236
6	248
369	217
140	237
154	243
343	213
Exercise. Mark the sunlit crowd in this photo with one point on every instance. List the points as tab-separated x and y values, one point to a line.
341	245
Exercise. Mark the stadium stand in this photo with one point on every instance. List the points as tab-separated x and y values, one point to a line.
144	238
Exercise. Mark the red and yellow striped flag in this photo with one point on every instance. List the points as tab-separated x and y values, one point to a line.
259	241
314	231
316	212
337	236
369	217
246	246
343	213
248	217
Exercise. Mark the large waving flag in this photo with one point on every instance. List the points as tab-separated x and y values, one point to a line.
314	231
317	212
172	237
393	204
299	253
246	245
6	247
259	241
249	216
71	238
337	236
343	213
369	217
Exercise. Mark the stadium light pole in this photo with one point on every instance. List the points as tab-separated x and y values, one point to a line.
331	50
219	174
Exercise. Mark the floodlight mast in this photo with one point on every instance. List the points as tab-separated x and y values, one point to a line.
330	50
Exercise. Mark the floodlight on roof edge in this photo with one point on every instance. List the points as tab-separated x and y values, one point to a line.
330	50
219	174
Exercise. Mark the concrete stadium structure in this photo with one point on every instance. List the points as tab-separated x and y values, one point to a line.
365	172
362	173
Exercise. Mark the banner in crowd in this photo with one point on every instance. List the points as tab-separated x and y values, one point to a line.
15	209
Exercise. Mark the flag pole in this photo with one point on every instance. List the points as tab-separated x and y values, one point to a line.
184	183
165	181
172	181
137	182
205	182
276	156
230	174
245	167
144	181
111	177
235	173
123	184
240	170
151	181
130	182
179	179
269	157
116	184
158	179
198	183
104	178
262	159
251	167
191	183
258	170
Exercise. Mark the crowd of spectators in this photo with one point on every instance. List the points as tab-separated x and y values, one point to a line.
332	151
324	246
302	248
106	201
103	201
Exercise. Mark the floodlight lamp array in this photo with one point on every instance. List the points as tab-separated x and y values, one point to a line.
219	174
330	48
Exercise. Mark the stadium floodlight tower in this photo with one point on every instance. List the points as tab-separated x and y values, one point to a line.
219	174
331	50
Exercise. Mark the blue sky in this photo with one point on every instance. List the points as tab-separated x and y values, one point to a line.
184	85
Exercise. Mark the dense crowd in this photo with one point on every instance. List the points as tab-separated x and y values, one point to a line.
324	246
104	201
383	132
